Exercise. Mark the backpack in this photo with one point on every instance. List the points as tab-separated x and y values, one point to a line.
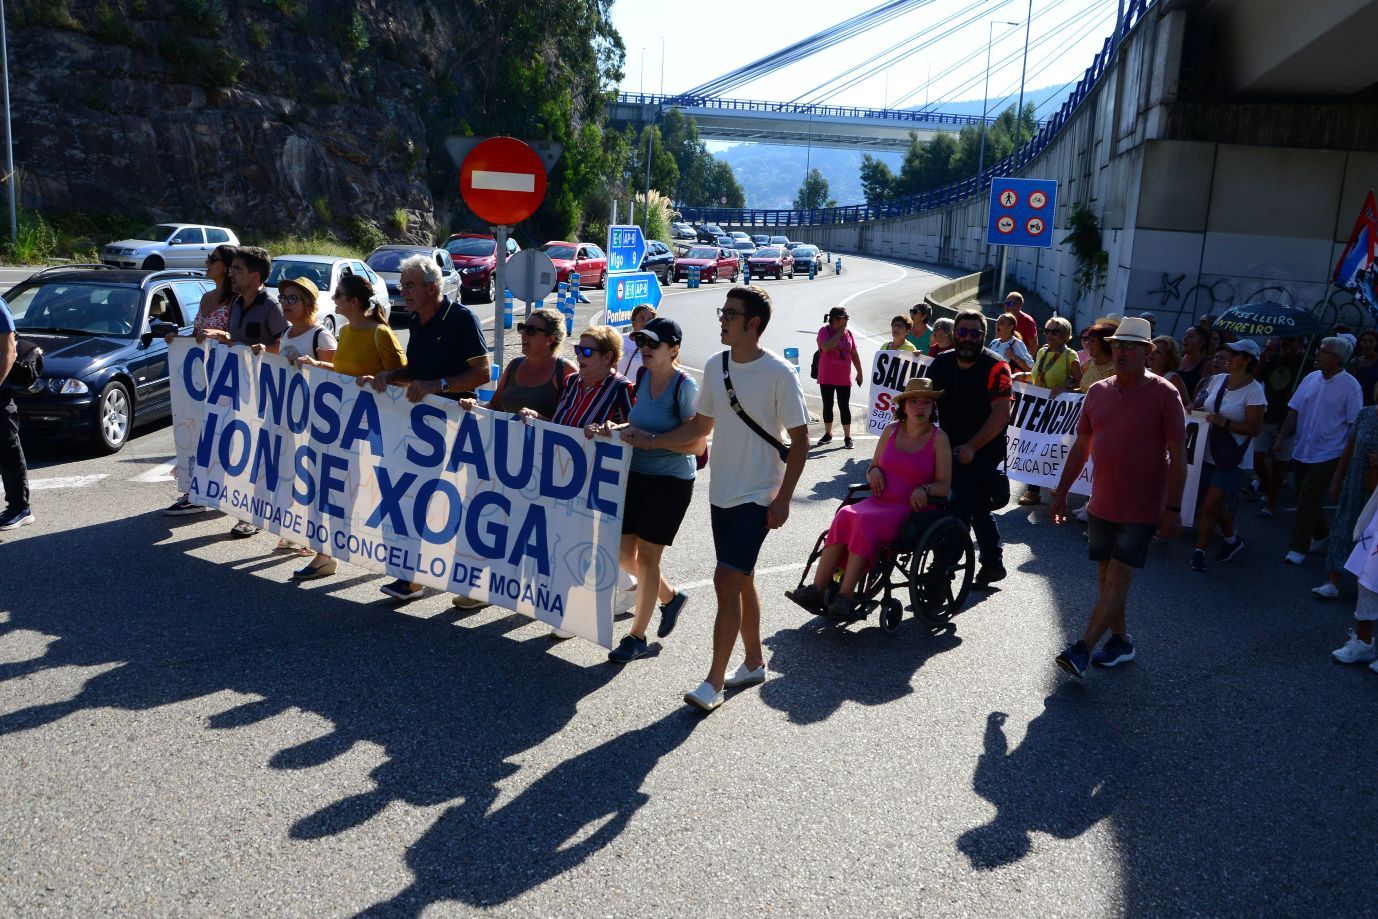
28	364
701	459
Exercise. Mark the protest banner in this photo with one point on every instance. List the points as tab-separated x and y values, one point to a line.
524	516
890	370
1042	431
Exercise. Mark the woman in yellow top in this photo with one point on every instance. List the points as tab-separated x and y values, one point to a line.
899	332
367	347
1057	369
1100	360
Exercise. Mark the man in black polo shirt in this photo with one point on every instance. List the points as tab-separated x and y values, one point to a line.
255	319
974	411
447	356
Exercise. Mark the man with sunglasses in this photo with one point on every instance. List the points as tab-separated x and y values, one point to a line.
1023	323
1133	428
974	411
749	394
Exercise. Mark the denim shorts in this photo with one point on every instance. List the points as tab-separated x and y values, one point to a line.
1126	543
738	533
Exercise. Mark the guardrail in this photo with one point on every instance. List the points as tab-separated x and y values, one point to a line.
1135	10
797	108
944	298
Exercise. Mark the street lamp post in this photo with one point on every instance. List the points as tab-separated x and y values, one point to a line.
1023	72
9	135
985	105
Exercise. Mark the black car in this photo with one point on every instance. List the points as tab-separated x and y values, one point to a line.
659	259
104	370
804	256
709	233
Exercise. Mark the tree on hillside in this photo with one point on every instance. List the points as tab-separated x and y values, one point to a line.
722	189
664	168
877	180
813	192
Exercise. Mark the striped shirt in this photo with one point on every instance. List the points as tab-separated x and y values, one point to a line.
609	400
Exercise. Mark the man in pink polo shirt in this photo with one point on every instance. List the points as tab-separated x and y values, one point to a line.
1132	427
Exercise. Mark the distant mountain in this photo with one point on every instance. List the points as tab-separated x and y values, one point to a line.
772	173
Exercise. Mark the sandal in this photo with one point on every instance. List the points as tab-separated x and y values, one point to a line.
1028	499
807	596
842	607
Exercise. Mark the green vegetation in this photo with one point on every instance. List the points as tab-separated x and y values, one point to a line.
681	166
813	192
364	234
73	237
258	35
112	28
321	208
200	62
944	160
1084	237
50	14
206	18
399	219
350	34
317	244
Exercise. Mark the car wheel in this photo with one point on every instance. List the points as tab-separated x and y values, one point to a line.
791	274
602	280
712	277
153	263
328	322
780	274
114	418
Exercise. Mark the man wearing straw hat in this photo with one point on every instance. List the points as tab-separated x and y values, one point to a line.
1133	428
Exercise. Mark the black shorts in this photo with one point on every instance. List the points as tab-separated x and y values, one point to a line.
738	533
1126	543
655	506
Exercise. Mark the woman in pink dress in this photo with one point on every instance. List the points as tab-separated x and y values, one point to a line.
912	464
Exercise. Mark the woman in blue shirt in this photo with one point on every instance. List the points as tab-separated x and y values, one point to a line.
661	482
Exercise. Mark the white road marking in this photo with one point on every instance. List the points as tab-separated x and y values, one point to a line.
160	473
502	181
66	481
903	273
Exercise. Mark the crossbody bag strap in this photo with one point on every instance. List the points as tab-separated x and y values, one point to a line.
747	419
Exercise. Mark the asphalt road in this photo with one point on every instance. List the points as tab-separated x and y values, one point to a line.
183	732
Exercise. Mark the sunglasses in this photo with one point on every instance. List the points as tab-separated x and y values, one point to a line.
641	341
1124	345
727	315
292	298
588	352
970	333
526	328
898	325
1054	332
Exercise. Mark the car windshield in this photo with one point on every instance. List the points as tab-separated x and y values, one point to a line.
767	253
156	233
470	246
76	307
779	239
746	245
702	253
391	259
318	272
561	252
805	250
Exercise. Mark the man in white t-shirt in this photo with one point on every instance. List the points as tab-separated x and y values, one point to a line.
751	480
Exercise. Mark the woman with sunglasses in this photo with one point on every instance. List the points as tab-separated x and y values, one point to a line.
366	347
1057	370
1100	360
661	482
631	354
531	385
213	313
900	327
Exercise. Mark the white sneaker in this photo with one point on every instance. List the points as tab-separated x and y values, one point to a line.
624	600
1355	651
1318	544
745	677
1083	513
704	696
1373	666
1294	558
561	634
1326	591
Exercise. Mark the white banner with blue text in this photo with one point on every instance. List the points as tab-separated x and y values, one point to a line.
526	516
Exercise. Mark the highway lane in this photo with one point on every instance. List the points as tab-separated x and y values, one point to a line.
183	731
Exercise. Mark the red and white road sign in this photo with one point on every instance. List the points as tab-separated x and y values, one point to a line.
1038	200
502	180
1008	198
1005	224
1034	226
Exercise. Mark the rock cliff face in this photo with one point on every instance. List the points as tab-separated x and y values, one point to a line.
265	116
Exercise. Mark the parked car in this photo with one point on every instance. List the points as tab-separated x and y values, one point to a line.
386	262
760	239
779	240
104	371
745	249
167	245
326	271
771	260
585	259
713	261
708	232
659	259
475	258
727	242
682	231
804	256
794	244
739	235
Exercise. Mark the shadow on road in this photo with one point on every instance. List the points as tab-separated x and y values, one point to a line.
450	707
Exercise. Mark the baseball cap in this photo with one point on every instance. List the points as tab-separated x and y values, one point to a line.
1246	345
661	329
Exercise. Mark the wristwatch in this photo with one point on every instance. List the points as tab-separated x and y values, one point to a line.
444	384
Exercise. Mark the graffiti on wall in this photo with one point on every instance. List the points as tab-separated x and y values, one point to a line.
1178	300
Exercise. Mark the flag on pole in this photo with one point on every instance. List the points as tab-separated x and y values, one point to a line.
1358	256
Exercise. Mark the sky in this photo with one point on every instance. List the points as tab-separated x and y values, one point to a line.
1064	37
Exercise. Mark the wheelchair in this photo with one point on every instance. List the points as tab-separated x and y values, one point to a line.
933	558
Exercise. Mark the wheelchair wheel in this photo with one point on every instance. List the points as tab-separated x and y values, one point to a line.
891	612
943	566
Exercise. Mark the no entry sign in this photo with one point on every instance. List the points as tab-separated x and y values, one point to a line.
502	180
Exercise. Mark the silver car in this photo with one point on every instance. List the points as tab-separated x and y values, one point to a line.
168	245
326	271
386	260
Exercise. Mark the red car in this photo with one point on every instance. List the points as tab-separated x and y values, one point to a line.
771	260
714	262
475	258
585	259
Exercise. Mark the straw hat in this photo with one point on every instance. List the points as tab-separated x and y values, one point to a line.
1135	330
305	285
919	388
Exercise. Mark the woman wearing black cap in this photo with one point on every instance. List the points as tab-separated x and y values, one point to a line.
661	482
837	356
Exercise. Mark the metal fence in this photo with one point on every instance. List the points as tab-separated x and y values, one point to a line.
1135	10
797	108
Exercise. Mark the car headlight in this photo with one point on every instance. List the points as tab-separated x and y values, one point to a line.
67	386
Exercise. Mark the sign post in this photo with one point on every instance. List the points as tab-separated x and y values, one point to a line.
1021	214
503	181
628	286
